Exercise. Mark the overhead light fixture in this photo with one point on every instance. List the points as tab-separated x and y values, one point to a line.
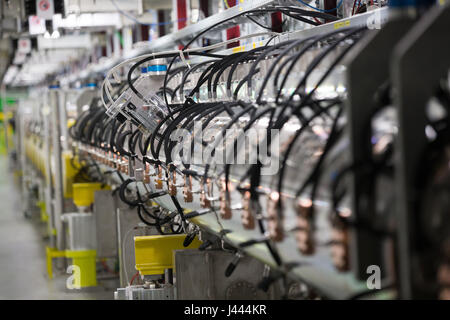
47	35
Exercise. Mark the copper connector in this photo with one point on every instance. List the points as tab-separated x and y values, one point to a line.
225	206
172	183
147	173
112	160
93	152
247	216
275	217
125	165
187	189
116	160
120	164
158	180
204	202
443	273
304	230
103	157
340	248
109	160
443	276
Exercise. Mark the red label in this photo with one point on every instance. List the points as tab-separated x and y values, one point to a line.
44	5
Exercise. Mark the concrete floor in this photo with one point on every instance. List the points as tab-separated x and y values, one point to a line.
22	253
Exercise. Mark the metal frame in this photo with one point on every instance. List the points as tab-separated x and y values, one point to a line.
56	155
372	57
359	20
420	60
48	180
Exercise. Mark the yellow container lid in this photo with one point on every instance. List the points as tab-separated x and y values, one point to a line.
154	254
83	193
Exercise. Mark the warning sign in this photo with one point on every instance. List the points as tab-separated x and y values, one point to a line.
45	9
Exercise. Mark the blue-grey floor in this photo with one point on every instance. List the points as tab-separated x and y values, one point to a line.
22	253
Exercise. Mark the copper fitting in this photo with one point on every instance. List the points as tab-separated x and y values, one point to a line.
103	157
274	217
120	166
187	189
158	180
304	234
247	217
443	273
124	165
225	207
443	276
115	162
172	183
204	202
147	173
109	160
340	248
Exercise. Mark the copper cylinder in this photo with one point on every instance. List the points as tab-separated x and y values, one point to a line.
225	207
274	217
204	202
172	183
304	229
187	189
247	217
158	180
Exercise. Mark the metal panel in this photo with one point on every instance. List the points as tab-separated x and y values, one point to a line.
80	231
106	224
128	226
200	275
56	167
126	220
373	19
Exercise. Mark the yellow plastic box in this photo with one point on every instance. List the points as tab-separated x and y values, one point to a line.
83	193
154	254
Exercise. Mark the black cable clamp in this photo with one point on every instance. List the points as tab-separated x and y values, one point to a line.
233	264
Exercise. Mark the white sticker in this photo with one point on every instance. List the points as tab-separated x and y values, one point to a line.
37	25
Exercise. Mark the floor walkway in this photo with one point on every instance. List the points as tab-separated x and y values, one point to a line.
22	253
